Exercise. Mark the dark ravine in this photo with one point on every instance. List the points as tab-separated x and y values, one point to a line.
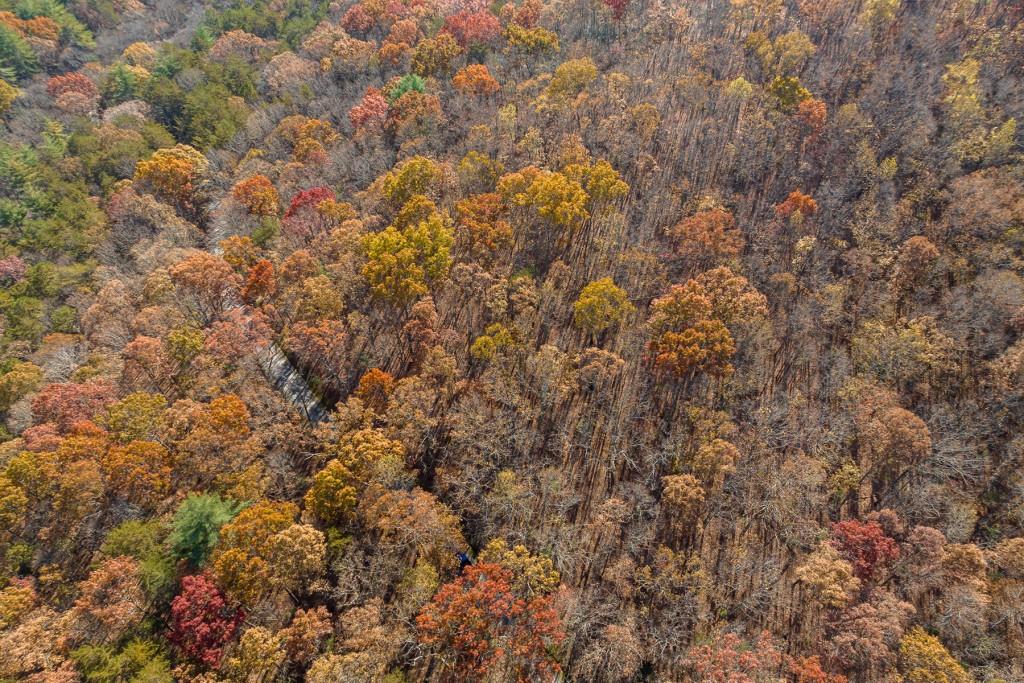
274	363
284	377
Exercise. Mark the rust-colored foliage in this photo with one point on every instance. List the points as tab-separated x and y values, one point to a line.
525	14
866	547
472	29
705	346
414	113
307	633
618	7
66	404
371	112
728	658
475	80
485	627
916	258
809	670
208	282
374	389
812	114
261	282
307	199
257	195
357	19
319	345
309	213
111	601
41	27
482	229
68	88
707	237
797	203
685	337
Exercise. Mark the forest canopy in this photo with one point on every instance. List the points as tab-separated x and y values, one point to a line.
535	340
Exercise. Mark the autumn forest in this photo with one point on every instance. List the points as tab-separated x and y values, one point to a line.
442	341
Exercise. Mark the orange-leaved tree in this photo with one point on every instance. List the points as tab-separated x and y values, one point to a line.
481	627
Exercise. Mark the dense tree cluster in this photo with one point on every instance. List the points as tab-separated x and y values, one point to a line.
594	340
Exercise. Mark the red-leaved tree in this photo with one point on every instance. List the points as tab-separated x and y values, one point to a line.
371	112
202	622
66	404
618	7
865	546
473	28
729	660
304	219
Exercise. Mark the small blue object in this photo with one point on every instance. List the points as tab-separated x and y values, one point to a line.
464	560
